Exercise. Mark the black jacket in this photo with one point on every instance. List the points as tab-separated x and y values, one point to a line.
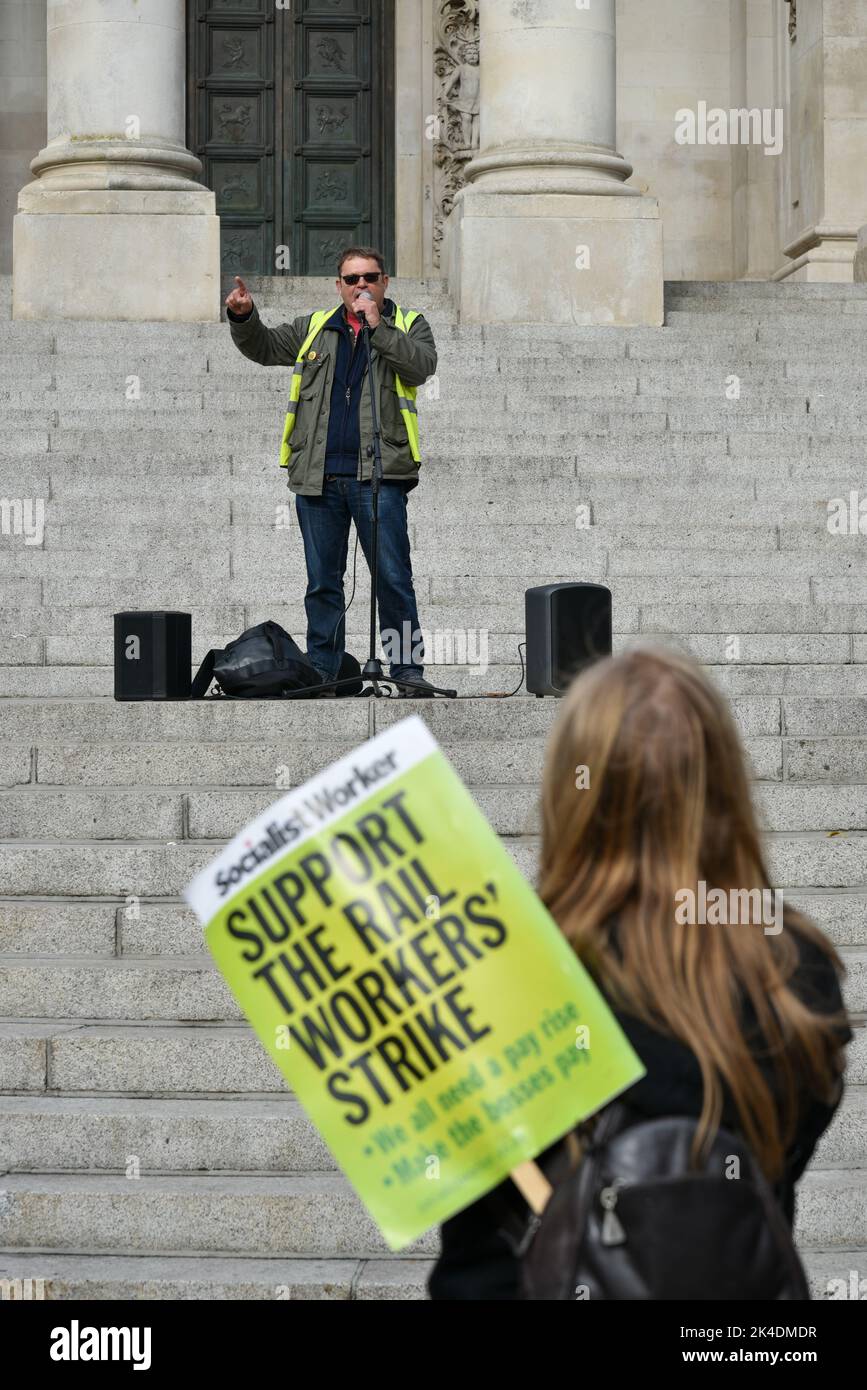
477	1263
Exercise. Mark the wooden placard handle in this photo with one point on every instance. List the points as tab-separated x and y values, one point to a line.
532	1184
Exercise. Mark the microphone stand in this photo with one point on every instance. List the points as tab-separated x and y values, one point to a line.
372	670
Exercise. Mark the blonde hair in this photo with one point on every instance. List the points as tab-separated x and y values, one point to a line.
668	804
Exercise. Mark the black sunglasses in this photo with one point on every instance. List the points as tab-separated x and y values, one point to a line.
367	278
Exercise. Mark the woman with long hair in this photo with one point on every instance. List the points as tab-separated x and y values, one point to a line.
646	810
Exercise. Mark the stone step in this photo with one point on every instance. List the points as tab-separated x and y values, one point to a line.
163	868
103	722
460	366
130	926
595	552
252	473
719	329
584	522
270	1216
797	501
447	422
826	760
735	452
94	1134
188	987
809	471
164	1058
444	516
802	317
60	624
685	561
835	1275
263	1216
101	1277
791	658
134	1277
36	812
466	587
62	401
747	291
587	553
758	619
489	666
543	435
479	675
132	989
457	378
258	765
782	491
456	394
831	1209
463	356
757	625
570	512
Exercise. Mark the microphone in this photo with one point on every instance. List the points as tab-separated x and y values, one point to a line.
365	294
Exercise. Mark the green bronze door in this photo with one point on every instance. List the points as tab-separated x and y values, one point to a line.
291	111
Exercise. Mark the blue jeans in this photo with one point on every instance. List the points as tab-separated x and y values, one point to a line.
325	523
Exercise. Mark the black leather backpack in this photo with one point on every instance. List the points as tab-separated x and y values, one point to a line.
265	663
633	1220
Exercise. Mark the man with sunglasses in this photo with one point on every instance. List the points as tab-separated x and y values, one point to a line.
329	430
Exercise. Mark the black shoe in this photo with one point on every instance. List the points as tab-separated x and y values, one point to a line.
415	688
324	694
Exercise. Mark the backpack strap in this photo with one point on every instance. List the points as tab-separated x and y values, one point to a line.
519	1227
204	676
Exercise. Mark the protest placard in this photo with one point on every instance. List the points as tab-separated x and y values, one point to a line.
411	987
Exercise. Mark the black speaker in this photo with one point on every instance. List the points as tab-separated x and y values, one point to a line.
567	627
153	655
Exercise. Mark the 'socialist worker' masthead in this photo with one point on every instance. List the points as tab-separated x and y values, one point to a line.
326	438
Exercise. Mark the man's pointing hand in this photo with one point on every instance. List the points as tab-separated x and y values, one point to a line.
240	301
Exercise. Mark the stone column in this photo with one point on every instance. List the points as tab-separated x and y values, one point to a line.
546	228
822	74
115	225
859	267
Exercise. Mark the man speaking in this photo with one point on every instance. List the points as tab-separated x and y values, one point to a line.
326	438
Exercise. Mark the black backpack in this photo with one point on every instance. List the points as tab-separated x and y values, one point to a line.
634	1220
264	663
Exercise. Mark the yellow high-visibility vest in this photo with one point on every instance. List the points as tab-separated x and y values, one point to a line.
406	395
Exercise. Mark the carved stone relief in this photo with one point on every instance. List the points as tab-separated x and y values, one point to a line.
793	19
456	67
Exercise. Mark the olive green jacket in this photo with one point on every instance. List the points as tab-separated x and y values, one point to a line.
412	355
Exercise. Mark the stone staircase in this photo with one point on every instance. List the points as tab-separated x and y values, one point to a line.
148	1148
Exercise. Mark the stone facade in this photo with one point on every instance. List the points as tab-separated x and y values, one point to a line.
727	208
